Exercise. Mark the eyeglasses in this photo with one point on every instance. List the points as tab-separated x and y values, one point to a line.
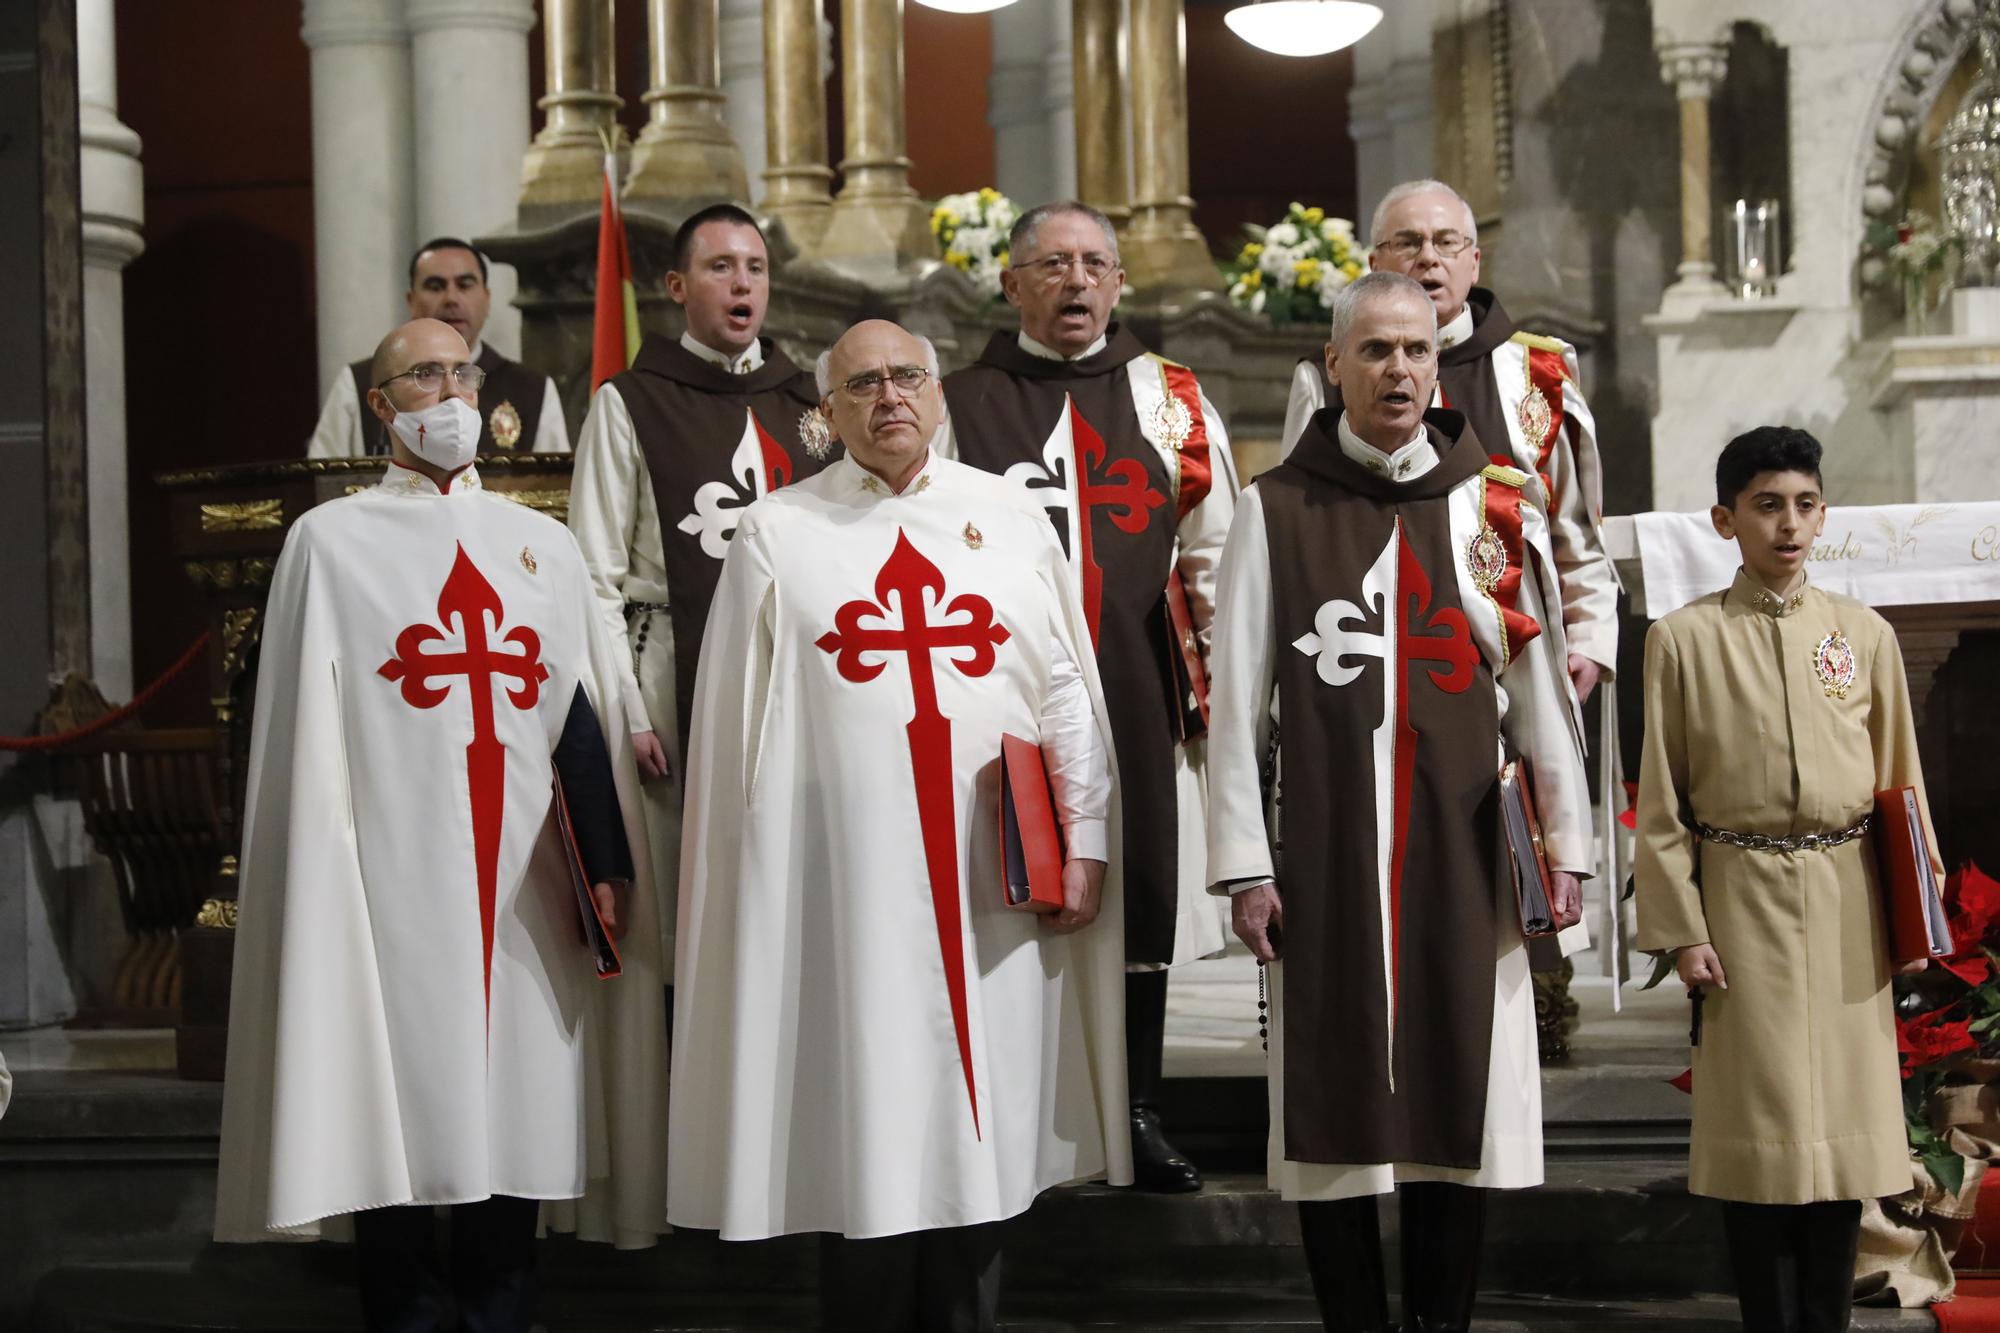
1052	269
1410	244
428	375
867	386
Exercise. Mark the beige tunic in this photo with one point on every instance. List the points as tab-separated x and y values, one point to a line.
1796	1091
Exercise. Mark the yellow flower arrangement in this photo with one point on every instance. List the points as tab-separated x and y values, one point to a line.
1290	270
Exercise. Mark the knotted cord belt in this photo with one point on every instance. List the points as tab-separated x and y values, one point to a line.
1797	842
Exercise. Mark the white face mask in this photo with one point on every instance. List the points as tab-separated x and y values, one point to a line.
445	434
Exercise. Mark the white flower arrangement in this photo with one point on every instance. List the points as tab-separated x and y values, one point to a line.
1291	269
971	231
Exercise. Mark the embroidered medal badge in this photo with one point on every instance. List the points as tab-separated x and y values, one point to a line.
527	560
815	434
505	423
973	537
1172	421
1833	663
1486	559
1537	418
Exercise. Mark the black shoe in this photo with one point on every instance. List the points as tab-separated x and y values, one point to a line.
1157	1166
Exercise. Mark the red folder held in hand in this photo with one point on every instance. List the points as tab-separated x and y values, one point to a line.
1910	897
603	949
1031	842
1189	673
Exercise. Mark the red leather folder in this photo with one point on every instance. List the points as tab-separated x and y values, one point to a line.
1031	842
603	949
1190	674
1911	899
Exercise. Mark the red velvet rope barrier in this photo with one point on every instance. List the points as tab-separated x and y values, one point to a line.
116	715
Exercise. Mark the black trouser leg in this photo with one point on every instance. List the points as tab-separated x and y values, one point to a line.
395	1256
493	1264
1443	1230
1828	1238
1762	1250
869	1286
958	1279
1343	1245
1156	1164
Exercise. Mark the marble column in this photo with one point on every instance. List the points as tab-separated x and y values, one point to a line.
1162	249
1694	68
740	43
685	151
796	176
565	163
1102	136
1029	103
114	199
363	219
470	86
877	216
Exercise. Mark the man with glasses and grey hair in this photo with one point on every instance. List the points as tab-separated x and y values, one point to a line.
1518	390
1130	461
448	284
870	1040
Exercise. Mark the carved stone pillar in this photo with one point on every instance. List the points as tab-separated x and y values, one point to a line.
1694	68
565	163
471	129
1029	101
797	178
363	218
1097	66
741	44
685	151
877	217
1162	249
114	205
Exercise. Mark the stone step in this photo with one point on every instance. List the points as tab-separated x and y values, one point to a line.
155	1300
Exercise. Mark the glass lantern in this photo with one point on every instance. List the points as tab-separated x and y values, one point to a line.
1753	249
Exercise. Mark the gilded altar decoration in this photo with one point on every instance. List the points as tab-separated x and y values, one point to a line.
239	635
553	502
1833	663
1486	559
505	424
815	434
1172	422
243	516
1537	417
217	914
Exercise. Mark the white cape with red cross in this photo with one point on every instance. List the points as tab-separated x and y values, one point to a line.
414	1018
867	1041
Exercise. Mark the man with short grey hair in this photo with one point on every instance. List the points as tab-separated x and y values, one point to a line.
1518	391
1127	456
1381	594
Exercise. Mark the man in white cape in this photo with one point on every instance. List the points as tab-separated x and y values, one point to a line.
868	1042
415	1020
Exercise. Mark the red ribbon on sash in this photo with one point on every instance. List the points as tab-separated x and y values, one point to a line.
1503	515
1195	473
1546	373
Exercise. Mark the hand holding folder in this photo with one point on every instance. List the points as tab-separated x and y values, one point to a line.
1912	901
596	934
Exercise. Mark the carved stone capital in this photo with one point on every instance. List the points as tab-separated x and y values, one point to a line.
1694	68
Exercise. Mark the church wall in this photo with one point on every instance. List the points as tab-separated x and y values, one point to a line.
220	350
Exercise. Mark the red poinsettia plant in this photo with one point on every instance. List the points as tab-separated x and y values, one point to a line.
1948	1019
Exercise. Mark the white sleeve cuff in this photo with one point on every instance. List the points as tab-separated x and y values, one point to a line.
1088	840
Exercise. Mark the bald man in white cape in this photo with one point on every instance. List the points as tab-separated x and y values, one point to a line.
867	1041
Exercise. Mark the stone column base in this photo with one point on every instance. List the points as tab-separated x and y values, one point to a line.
1172	258
688	168
890	229
565	171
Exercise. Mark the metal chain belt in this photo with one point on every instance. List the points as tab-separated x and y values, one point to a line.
1798	842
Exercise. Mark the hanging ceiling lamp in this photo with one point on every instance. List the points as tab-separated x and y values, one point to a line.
966	6
1303	27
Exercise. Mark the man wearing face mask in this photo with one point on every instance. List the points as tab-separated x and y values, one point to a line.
413	1009
1518	391
1130	461
673	451
448	284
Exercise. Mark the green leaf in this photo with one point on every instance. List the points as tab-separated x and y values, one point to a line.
1947	1168
1663	967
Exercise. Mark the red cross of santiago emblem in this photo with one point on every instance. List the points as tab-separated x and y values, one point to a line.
470	600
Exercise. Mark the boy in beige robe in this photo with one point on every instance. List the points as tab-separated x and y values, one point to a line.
1778	709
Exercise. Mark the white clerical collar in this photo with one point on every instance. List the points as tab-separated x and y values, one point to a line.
407	481
477	350
751	358
1047	353
861	479
1408	463
1456	329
